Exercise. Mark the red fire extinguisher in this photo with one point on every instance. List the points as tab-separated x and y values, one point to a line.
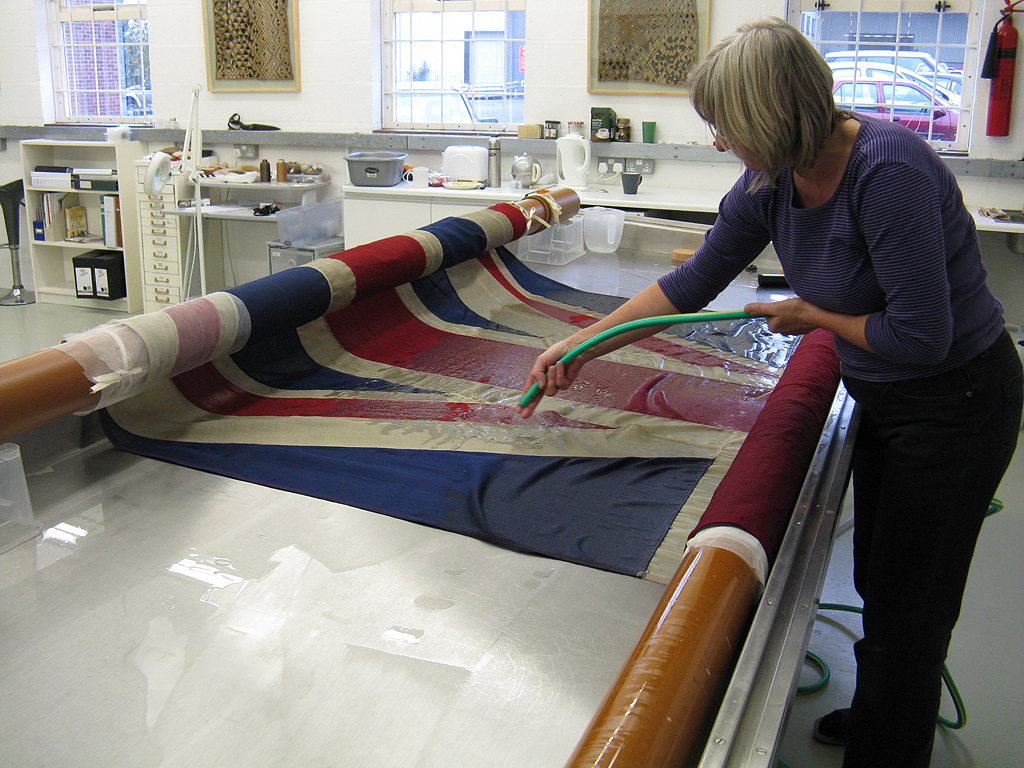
1000	63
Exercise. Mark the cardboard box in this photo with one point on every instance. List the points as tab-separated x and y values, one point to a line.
602	123
94	183
50	180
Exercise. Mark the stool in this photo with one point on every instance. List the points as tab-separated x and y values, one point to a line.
11	195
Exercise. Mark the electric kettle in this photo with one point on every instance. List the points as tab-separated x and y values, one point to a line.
526	170
573	160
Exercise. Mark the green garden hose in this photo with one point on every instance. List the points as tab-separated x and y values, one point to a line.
632	325
947	678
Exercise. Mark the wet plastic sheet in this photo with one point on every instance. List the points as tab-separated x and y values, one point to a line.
403	403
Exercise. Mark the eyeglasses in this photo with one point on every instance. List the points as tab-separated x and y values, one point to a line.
720	143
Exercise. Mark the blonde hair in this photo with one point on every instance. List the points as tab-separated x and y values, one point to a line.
766	89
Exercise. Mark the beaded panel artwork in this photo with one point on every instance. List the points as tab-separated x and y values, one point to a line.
251	40
647	41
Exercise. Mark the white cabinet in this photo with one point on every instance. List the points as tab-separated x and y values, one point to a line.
375	217
52	254
164	241
373	213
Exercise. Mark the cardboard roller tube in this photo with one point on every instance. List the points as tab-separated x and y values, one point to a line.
40	388
657	708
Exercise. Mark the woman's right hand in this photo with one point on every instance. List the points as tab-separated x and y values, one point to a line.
550	374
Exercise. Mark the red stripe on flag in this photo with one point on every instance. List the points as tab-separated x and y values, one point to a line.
382	329
381	265
206	388
664	347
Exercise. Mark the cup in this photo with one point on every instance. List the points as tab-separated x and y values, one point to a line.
648	128
602	229
630	182
419	176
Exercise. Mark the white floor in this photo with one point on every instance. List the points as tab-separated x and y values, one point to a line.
984	658
987	645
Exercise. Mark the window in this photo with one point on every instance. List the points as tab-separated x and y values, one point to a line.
453	64
100	58
908	61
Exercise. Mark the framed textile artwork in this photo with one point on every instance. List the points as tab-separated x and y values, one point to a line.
251	45
645	46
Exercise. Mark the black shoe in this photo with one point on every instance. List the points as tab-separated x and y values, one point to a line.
832	728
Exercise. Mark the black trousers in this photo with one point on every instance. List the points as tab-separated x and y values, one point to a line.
928	458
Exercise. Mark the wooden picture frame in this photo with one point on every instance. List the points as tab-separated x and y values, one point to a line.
596	85
271	25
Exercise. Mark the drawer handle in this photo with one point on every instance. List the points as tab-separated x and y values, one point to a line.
162	299
160	266
159	242
159	279
162	290
159	231
159	254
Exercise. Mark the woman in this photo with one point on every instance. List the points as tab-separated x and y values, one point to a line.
871	230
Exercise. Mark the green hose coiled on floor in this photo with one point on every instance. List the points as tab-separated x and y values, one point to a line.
632	325
947	678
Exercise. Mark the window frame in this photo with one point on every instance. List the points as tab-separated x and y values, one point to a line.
64	94
971	8
392	88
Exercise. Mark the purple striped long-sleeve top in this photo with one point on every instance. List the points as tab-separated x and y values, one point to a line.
894	243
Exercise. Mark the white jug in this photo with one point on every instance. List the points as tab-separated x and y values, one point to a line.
573	156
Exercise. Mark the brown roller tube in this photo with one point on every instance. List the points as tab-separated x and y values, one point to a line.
655	711
39	388
566	198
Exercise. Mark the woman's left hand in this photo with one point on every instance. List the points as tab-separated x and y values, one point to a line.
791	316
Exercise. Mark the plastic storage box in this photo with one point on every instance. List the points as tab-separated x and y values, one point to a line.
17	522
376	169
557	245
309	223
284	257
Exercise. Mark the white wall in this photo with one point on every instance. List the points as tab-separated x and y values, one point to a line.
337	71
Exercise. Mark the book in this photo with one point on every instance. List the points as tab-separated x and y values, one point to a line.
76	221
94	171
111	213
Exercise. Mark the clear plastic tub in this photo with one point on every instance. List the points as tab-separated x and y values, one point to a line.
17	522
309	223
556	245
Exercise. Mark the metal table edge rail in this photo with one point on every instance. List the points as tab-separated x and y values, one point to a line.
755	705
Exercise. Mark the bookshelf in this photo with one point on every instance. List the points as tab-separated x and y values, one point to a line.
48	198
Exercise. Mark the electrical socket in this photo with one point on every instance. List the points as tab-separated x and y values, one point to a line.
611	164
639	165
247	151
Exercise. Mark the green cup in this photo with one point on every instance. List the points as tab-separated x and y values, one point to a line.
649	126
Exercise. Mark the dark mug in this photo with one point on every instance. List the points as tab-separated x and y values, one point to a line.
630	181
